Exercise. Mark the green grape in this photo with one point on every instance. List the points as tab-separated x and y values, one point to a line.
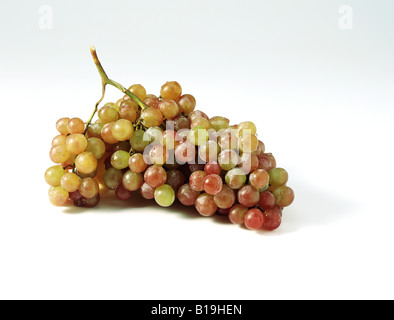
59	154
59	140
96	146
70	182
120	159
139	91
113	178
76	143
94	130
154	135
165	195
200	122
54	175
61	126
86	162
108	114
247	127
235	178
208	151
88	188
132	181
122	130
171	90
284	196
112	105
228	159
152	117
278	177
219	123
139	141
198	136
248	143
58	196
76	125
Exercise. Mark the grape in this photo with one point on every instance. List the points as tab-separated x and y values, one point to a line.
61	126
206	205
108	114
155	176
96	146
272	219
88	188
187	195
181	122
171	90
164	195
267	162
94	130
132	181
254	219
54	175
75	195
122	130
147	192
86	162
151	101
112	105
235	178
152	117
248	162
154	135
158	155
168	139
185	152
228	159
247	127
120	159
86	175
259	178
113	178
267	200
213	184
106	133
197	114
212	167
248	143
137	163
228	140
223	212
213	135
219	123
278	177
139	91
187	103
120	146
91	202
76	143
59	140
123	194
196	180
208	151
139	141
225	199
284	196
70	182
127	113
58	196
237	214
198	136
260	149
69	161
175	179
200	122
76	125
169	108
129	103
248	196
59	154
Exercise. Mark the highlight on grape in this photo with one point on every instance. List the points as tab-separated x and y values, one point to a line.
163	148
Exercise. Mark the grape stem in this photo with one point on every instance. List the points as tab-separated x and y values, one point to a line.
105	81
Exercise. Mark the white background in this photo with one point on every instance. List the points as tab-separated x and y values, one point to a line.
322	98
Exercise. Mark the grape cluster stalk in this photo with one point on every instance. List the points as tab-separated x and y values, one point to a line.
165	149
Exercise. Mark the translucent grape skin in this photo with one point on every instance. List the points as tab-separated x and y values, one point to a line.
61	126
54	175
59	140
198	135
219	123
248	196
228	159
86	162
278	177
122	130
259	178
113	178
88	188
181	122
58	196
91	202
70	182
213	184
138	141
187	104
267	162
106	133
212	167
272	219
267	200
137	163
122	193
175	179
158	155
284	196
237	214
196	180
165	195
187	195
208	151
197	114
151	101
185	152
205	205
76	143
128	102
108	114
128	113
171	90
169	109
147	192
120	159
96	146
139	91
94	130
155	176
248	127
76	125
254	219
59	154
226	198
132	181
248	162
200	122
152	117
235	178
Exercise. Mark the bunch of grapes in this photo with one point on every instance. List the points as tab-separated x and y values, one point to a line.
167	151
